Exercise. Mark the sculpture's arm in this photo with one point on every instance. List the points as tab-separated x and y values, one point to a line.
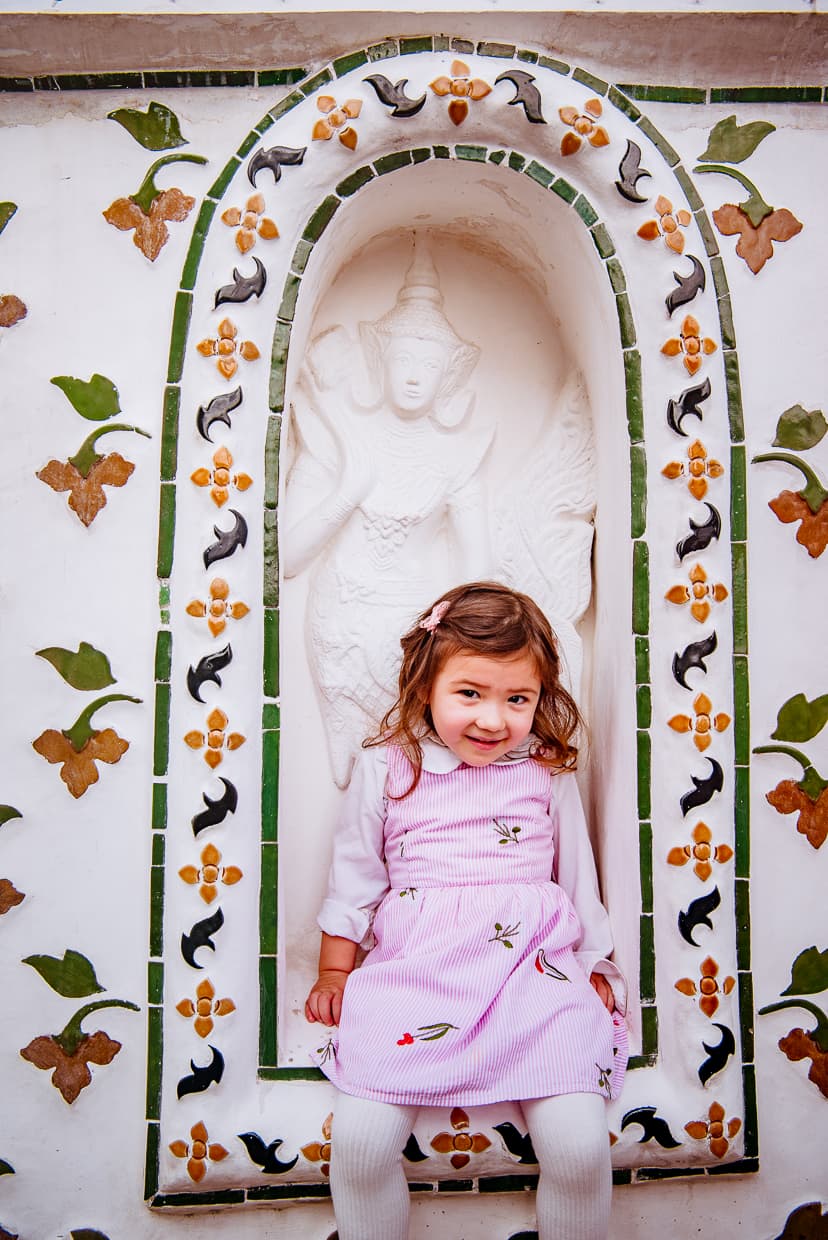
316	506
470	533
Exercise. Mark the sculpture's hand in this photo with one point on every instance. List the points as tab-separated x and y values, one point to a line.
358	473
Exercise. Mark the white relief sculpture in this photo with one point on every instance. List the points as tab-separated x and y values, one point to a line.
386	501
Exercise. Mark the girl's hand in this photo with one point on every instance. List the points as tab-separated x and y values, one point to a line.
604	991
324	1003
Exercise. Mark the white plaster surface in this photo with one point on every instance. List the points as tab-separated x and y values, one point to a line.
95	304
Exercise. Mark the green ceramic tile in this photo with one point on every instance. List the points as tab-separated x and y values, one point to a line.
746	1015
158	849
268	900
744	1166
278	361
643	772
271	653
516	162
409	47
355	181
726	322
741	723
264	124
287	104
690	192
626	323
717	268
252	139
734	396
290	293
441	152
381	51
497	157
644	706
321	218
155	1058
741	805
17	84
766	94
662	145
455	1186
151	1165
635	404
751	1125
178	337
738	595
46	82
642	660
161	751
504	50
477	153
507	1183
600	239
159	807
621	1177
590	81
280	77
538	173
390	163
738	493
557	66
530	57
155	982
224	178
301	254
645	854
271	559
653	1174
638	471
271	457
346	63
463	46
156	926
169	433
313	84
266	1073
666	94
442	43
711	245
616	276
163	655
287	1192
271	716
564	190
270	787
585	209
647	963
268	1056
166	529
420	154
223	1197
742	892
641	590
649	1031
625	105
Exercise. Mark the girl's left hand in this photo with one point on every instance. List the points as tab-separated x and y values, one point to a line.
604	991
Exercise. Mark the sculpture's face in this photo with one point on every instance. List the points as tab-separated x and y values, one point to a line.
414	370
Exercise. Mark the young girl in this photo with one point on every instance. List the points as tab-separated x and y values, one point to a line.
462	855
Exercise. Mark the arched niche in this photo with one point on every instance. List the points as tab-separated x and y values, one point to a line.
521	279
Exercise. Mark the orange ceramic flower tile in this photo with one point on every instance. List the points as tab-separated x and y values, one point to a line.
462	88
219	478
209	873
668	225
701	852
216	738
335	121
225	346
713	1130
205	1006
697	470
699	593
251	223
701	722
583	126
691	346
320	1151
218	610
708	988
198	1151
461	1144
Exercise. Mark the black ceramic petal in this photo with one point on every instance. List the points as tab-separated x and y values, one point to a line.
216	811
698	913
276	158
703	790
243	287
202	1078
718	1055
412	1151
688	286
687	403
264	1155
394	96
702	534
693	656
655	1128
630	173
218	410
517	1143
527	94
207	669
228	540
201	936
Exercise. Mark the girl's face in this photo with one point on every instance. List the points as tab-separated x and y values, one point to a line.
483	707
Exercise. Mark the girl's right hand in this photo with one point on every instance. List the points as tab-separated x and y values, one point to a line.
324	1003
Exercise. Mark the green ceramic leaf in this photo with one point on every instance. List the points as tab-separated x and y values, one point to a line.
809	973
7	210
6	1168
799	719
95	400
730	143
157	129
86	668
800	429
7	812
73	976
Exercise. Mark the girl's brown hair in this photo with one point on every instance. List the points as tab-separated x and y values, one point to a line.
488	619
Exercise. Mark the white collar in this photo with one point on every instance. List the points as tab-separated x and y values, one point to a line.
438	759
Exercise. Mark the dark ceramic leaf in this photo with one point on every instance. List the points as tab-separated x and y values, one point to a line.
73	976
730	143
85	668
7	812
800	429
157	129
6	1168
7	210
96	400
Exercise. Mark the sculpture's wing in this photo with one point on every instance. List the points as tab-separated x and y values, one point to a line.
323	396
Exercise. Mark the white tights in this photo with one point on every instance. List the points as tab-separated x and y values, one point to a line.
569	1134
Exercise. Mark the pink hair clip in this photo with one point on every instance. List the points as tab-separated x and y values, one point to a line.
437	612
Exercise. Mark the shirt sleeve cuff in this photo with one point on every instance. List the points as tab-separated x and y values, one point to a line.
591	963
344	922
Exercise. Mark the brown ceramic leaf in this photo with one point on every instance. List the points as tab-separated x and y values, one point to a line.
86	496
799	1045
78	771
12	310
10	897
788	798
813	531
71	1073
151	233
755	243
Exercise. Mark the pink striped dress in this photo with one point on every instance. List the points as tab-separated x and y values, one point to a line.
477	987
